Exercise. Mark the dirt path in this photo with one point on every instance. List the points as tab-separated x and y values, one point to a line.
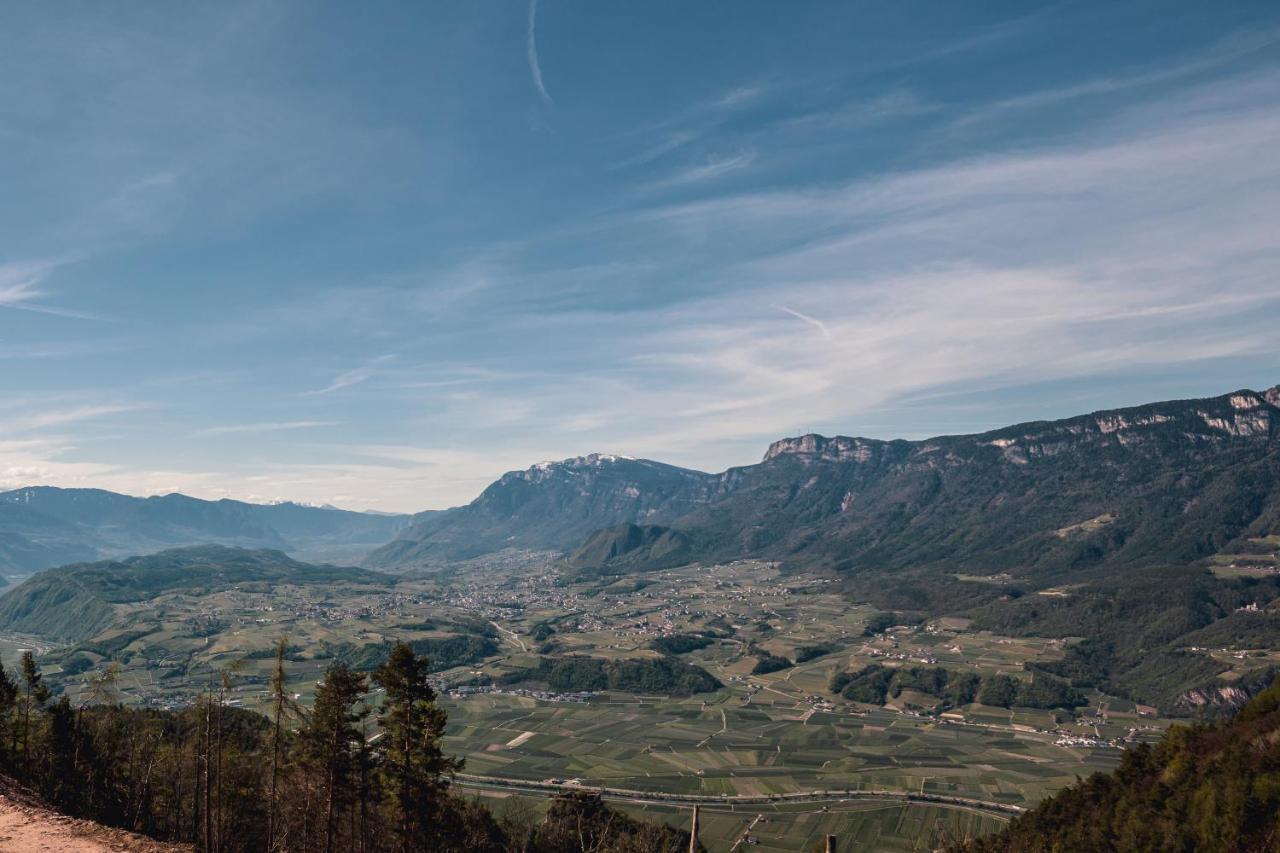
515	638
25	828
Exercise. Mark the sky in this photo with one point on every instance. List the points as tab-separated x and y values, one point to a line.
374	255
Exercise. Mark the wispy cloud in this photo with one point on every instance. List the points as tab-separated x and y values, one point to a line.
20	288
60	417
812	321
706	171
691	124
65	349
891	106
1216	56
353	377
277	426
1090	259
531	49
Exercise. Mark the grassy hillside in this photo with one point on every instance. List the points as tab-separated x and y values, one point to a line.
1203	788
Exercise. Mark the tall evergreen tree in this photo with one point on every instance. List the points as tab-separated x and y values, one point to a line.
8	704
62	751
279	705
413	725
36	693
331	736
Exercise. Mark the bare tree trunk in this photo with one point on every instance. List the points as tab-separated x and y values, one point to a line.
218	824
276	715
26	732
329	828
208	794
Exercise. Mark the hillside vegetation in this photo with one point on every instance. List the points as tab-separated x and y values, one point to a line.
220	778
628	546
75	602
666	675
1202	788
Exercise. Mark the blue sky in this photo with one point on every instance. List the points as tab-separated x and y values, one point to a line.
374	255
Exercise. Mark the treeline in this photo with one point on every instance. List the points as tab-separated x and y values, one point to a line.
444	652
804	654
578	673
1201	788
679	644
873	684
361	770
767	662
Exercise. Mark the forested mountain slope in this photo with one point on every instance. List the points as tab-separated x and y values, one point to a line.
1162	483
1202	788
1168	482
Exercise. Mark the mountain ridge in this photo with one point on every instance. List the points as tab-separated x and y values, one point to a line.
795	498
548	506
46	526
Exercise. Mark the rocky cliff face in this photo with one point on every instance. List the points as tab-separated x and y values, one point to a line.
1176	481
1218	698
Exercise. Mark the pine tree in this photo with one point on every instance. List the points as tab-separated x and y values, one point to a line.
36	694
279	704
412	726
63	737
8	705
332	732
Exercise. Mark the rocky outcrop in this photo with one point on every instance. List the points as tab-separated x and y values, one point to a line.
1218	698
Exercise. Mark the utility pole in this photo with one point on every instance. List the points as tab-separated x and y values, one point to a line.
831	844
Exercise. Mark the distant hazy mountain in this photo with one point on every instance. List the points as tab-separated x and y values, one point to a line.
551	506
77	601
44	526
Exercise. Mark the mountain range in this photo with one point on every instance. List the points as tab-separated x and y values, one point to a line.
42	526
1165	482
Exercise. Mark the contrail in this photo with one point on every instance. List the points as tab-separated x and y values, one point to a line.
532	45
812	321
